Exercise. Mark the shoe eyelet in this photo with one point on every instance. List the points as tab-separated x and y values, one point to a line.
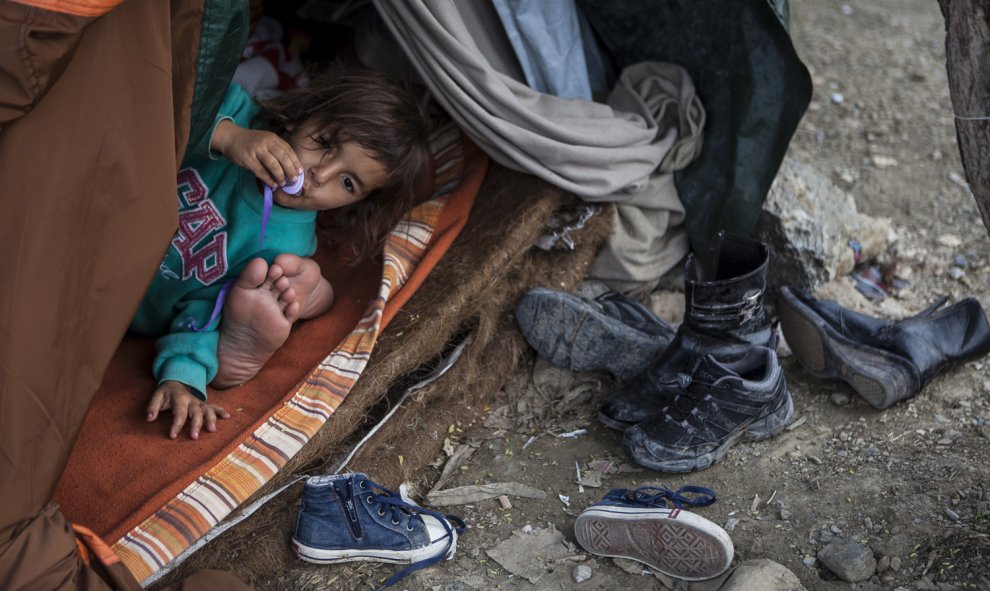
394	522
362	484
369	499
381	511
409	528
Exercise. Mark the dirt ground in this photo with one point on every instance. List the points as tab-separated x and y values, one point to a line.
911	483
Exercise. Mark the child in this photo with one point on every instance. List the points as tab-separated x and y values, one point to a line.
358	141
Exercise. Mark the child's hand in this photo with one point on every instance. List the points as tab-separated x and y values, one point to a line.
268	156
177	397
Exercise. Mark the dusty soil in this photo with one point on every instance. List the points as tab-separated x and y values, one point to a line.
911	483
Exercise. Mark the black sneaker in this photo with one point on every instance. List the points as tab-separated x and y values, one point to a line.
612	332
747	399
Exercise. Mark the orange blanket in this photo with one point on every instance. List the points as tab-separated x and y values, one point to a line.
151	497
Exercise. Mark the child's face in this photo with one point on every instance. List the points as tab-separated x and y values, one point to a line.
332	180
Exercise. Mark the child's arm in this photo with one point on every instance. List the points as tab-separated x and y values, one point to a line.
185	362
268	156
178	398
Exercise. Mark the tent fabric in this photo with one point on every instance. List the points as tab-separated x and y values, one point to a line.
555	47
87	218
596	151
168	494
41	44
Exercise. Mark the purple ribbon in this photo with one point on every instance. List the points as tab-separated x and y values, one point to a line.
266	213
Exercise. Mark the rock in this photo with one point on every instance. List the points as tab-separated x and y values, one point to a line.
762	574
883	564
840	398
895	563
950	240
582	572
951	514
850	561
809	221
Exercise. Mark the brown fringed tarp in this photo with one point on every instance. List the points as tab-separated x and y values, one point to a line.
475	287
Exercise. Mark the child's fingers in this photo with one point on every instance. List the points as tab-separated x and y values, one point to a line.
155	406
179	414
282	168
268	169
220	411
210	418
195	420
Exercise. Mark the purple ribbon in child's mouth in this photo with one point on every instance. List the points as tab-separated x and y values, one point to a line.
266	213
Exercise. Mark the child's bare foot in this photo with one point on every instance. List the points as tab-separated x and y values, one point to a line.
306	283
257	317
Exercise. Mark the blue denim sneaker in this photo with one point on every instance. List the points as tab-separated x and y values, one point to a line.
637	524
347	517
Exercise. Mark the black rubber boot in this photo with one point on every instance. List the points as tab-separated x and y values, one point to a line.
884	361
723	318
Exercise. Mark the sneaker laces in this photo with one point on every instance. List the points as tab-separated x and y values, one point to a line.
657	496
684	405
401	510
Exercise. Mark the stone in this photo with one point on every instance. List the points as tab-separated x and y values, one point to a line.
895	563
809	222
582	572
762	574
840	398
850	561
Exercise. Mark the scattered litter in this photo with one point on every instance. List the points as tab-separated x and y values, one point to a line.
797	423
529	441
630	566
577	468
462	495
566	500
592	478
505	502
770	500
877	283
532	553
457	458
754	504
557	229
572	434
958	179
730	523
837	98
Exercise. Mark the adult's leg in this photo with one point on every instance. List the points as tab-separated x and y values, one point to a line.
89	207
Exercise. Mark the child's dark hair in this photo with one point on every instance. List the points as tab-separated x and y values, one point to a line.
383	117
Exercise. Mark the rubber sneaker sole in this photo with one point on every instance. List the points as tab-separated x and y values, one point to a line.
437	546
574	333
689	460
675	542
879	377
